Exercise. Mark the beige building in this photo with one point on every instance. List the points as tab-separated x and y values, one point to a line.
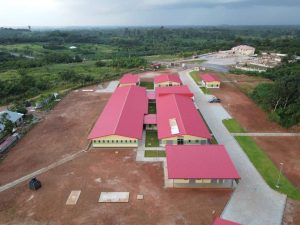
243	50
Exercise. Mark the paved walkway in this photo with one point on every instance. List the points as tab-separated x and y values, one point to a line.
253	201
110	88
267	134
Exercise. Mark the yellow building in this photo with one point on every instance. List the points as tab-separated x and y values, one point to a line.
210	81
165	80
121	122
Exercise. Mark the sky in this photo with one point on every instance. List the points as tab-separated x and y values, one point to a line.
148	12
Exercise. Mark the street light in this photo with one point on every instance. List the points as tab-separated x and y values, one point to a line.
280	172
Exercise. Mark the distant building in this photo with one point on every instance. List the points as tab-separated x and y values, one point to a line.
243	50
164	80
129	80
72	47
210	81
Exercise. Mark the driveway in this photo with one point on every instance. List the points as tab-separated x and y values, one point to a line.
253	201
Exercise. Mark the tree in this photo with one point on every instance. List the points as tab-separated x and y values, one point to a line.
8	125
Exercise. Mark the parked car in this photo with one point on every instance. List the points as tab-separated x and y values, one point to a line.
214	100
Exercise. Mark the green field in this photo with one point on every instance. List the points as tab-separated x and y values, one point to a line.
153	153
147	85
162	57
233	126
151	138
151	108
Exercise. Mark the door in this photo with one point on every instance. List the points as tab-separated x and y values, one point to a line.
180	141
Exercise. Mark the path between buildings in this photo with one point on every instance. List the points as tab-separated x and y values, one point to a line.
110	88
267	134
42	170
253	201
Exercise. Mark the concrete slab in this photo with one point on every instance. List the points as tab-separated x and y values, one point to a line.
140	197
73	197
113	197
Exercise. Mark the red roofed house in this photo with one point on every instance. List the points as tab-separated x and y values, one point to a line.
167	80
121	122
179	122
129	79
180	90
210	81
220	221
199	166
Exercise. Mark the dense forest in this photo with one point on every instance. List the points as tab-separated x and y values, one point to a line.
34	61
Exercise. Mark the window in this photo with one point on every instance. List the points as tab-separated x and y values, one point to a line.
107	141
121	141
125	141
130	141
189	141
117	141
112	141
197	141
134	141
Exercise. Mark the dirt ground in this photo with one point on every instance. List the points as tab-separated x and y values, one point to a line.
242	108
253	119
61	132
292	213
285	150
104	170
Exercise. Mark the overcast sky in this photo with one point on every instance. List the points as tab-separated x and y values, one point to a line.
148	12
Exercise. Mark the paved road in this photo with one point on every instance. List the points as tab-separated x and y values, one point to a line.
110	88
267	134
253	201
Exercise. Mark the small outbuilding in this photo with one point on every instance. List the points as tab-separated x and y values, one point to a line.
164	80
210	81
129	80
202	166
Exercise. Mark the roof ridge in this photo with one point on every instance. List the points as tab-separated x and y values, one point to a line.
179	112
122	109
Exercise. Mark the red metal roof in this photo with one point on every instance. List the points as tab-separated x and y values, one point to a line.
129	78
182	109
199	162
182	90
220	221
151	95
167	77
209	77
123	115
150	119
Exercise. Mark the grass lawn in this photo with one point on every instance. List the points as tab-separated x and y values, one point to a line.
196	78
214	140
147	85
151	108
267	168
233	126
153	153
151	138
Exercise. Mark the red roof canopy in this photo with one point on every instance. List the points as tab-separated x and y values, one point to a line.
182	109
129	78
182	90
199	162
209	77
150	119
151	95
123	115
220	221
167	77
